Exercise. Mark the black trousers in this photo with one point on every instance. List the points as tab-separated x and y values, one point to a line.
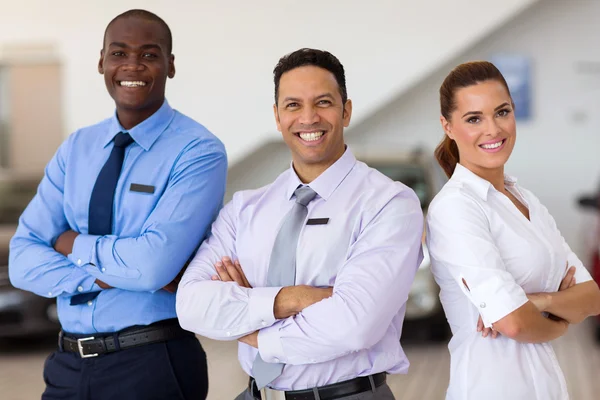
175	369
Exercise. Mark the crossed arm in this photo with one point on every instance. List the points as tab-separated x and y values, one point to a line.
49	258
461	243
300	324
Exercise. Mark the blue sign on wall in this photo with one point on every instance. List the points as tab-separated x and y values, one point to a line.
517	72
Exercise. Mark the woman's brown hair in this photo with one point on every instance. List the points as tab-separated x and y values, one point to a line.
464	75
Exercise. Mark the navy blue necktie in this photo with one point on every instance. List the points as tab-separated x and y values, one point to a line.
102	200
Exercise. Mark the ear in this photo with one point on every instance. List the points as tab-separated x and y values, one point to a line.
276	114
171	73
347	113
447	127
101	63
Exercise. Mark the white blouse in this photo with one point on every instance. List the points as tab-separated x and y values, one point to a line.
476	233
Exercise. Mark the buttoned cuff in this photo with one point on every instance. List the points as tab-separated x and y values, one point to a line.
269	344
84	250
260	305
495	298
87	285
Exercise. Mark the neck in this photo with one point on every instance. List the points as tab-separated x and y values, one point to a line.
309	172
494	176
128	118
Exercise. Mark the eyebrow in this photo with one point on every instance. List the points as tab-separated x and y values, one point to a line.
319	97
142	47
480	113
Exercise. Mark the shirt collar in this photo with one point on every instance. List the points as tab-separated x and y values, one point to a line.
328	181
479	185
146	132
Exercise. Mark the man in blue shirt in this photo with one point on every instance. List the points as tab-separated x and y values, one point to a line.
122	207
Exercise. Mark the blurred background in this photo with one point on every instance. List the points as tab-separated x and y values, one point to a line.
396	54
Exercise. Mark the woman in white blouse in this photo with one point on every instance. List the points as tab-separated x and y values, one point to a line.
497	254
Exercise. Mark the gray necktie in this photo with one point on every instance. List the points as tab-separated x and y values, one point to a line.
282	270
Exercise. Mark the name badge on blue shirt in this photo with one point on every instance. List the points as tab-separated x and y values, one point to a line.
136	187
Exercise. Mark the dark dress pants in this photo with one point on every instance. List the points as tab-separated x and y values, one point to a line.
175	369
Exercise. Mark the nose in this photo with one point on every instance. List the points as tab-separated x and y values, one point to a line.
309	116
132	63
493	128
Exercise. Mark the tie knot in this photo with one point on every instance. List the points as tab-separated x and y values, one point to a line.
123	139
304	195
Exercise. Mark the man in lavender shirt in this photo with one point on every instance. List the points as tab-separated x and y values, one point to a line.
334	332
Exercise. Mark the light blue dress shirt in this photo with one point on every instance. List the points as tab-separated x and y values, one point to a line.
154	234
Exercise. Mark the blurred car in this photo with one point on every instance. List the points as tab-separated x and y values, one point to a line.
419	171
21	313
591	203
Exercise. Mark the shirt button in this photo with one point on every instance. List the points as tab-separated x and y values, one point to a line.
90	303
482	305
103	269
80	289
263	323
79	262
276	359
228	333
49	293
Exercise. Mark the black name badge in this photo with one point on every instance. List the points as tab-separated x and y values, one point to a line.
317	221
136	187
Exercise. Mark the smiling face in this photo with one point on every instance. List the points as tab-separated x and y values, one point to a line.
311	117
136	62
483	126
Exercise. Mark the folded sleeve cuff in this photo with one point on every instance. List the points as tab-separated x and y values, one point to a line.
269	344
495	298
84	250
260	305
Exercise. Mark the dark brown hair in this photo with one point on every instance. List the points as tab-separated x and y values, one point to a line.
317	58
465	75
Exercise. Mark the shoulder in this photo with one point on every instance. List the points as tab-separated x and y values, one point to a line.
456	201
377	191
197	136
249	198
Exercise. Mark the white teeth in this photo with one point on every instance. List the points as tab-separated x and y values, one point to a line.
133	83
312	136
493	145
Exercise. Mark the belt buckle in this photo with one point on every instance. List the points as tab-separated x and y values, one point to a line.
272	394
80	347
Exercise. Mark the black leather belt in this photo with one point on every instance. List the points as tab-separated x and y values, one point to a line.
333	391
95	345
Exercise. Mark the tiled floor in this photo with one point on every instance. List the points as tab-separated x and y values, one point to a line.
21	368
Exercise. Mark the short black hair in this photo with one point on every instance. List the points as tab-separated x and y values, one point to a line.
318	58
148	16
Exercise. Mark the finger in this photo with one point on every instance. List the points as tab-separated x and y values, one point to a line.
241	272
494	334
564	284
232	270
215	278
479	325
222	271
486	332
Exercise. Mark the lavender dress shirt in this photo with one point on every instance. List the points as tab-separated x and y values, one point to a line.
369	251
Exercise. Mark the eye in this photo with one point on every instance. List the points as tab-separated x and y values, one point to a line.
117	53
473	120
504	112
324	103
292	105
149	55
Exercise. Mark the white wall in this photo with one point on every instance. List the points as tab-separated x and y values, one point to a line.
226	50
557	151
